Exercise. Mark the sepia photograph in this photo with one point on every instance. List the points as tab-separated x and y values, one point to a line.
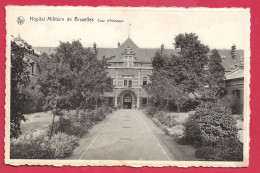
118	86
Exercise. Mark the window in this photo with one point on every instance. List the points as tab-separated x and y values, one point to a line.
128	61
144	101
131	62
32	64
144	81
113	81
130	83
125	83
236	94
125	62
128	98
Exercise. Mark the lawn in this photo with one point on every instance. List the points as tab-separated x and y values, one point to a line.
181	117
37	121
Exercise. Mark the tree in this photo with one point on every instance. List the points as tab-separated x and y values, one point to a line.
156	88
166	81
174	77
216	75
72	76
194	55
19	78
174	81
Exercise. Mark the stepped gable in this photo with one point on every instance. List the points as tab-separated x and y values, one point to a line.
141	54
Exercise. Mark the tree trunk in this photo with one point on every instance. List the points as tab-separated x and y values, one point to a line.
178	110
96	103
167	102
77	111
52	126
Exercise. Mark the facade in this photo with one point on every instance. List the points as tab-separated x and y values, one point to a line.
235	80
130	67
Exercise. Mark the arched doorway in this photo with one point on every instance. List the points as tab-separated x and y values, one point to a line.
127	101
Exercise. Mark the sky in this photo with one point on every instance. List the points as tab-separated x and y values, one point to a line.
150	27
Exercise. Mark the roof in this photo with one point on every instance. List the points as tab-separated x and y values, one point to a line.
235	74
41	50
227	61
140	54
145	54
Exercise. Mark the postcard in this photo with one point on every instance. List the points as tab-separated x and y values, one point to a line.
122	86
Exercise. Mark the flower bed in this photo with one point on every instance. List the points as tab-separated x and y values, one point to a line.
211	129
67	132
169	124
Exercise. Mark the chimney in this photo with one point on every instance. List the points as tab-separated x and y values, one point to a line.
241	65
94	47
162	48
233	51
118	44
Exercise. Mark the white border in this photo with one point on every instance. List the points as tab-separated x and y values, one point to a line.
246	138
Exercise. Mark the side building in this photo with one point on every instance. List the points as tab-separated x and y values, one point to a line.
31	59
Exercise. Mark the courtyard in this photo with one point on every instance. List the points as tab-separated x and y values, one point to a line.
129	135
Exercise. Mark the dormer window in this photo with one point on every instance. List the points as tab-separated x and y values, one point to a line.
128	57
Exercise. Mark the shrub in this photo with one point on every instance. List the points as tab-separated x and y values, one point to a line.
166	120
86	120
156	121
177	132
35	146
30	147
34	103
206	153
170	121
30	151
223	150
69	127
100	113
210	122
62	144
233	104
152	110
192	134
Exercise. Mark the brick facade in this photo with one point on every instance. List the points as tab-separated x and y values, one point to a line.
130	67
